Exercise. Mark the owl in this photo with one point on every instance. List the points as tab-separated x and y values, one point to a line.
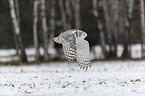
75	47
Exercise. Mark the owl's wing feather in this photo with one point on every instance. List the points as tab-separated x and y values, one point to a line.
56	39
83	53
69	47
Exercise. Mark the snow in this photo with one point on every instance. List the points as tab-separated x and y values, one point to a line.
136	51
105	78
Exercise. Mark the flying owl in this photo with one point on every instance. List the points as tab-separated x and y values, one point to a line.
75	47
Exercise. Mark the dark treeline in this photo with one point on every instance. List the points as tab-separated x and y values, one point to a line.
34	23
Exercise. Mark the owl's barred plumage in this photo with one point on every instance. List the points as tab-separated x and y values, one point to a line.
75	47
83	54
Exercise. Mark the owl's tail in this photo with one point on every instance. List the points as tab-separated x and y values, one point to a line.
56	39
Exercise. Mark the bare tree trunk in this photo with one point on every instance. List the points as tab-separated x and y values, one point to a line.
35	36
16	25
51	49
130	4
100	28
114	26
142	20
76	6
126	22
17	12
108	26
16	44
68	14
63	14
130	8
45	29
18	18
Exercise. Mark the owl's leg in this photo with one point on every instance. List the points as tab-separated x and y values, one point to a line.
85	67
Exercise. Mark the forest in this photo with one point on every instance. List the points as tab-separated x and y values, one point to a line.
108	23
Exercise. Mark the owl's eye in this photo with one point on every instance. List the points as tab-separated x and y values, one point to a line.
84	34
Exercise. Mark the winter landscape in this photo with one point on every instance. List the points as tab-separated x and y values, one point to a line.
38	37
105	78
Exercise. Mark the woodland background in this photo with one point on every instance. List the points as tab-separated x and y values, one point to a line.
108	23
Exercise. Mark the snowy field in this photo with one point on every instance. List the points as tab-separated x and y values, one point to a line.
105	78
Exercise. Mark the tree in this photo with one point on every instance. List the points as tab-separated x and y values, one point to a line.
44	29
51	49
63	14
68	14
77	19
127	25
142	20
35	36
16	26
100	28
108	26
114	26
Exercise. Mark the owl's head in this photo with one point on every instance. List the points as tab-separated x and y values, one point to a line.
80	34
84	35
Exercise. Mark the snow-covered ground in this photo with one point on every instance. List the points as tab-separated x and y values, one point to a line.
105	78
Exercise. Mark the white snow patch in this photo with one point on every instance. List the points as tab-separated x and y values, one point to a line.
114	78
136	51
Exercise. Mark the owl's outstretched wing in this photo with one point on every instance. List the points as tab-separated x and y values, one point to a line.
69	46
83	53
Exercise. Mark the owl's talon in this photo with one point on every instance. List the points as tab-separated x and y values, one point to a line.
86	67
83	67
